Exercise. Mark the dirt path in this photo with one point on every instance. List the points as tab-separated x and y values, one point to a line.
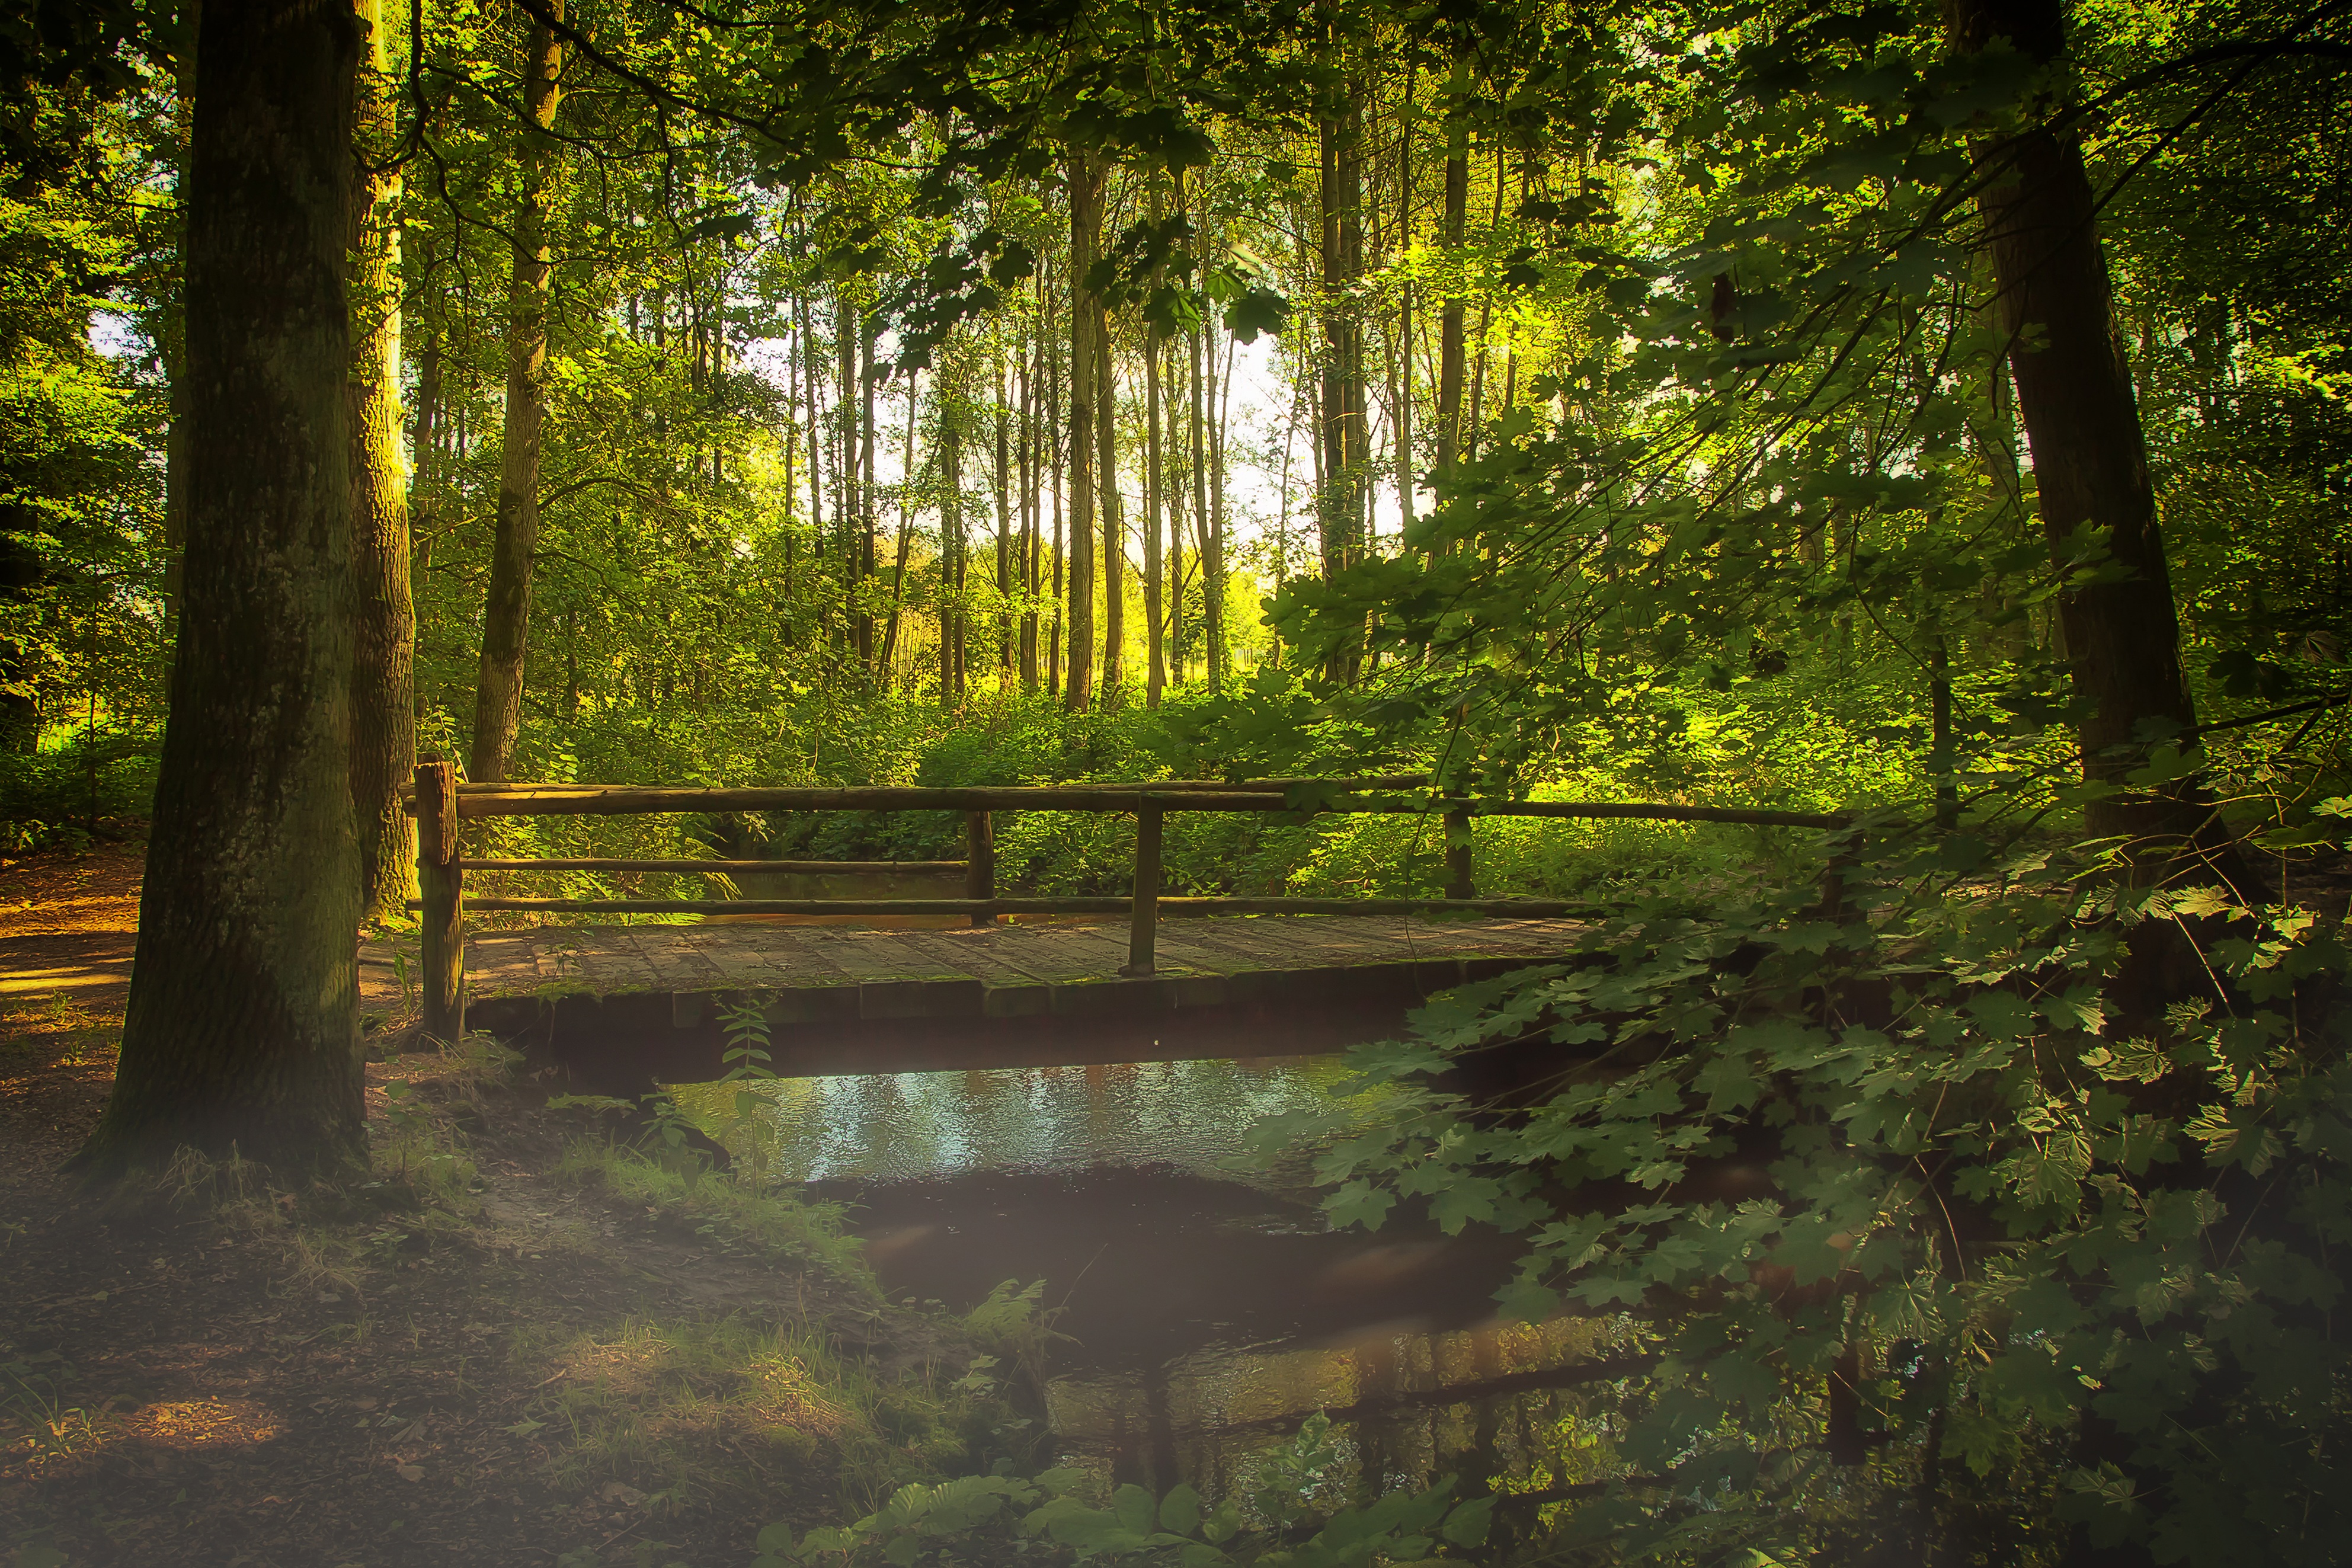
501	1369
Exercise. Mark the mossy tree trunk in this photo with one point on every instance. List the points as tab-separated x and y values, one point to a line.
243	1023
383	712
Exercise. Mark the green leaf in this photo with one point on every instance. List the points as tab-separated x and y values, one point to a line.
1180	1510
1359	1203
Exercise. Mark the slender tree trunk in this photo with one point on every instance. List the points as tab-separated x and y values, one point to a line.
1114	521
2081	423
906	538
506	616
242	1028
1343	432
1449	318
1213	547
951	572
1002	479
1155	633
1197	514
1032	514
1086	181
1403	424
845	503
384	706
1058	456
867	521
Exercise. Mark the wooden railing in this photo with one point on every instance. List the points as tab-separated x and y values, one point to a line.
439	803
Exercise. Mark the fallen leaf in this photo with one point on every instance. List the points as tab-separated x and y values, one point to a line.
410	1472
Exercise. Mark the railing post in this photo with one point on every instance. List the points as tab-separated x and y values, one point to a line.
1143	927
442	886
1460	880
980	861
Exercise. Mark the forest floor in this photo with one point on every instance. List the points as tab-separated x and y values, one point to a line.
488	1355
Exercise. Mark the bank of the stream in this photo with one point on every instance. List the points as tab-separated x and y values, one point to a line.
510	1345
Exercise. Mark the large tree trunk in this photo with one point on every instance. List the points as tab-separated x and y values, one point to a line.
2081	423
506	615
242	1029
384	710
1086	179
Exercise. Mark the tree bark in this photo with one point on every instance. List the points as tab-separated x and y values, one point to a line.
1002	479
1155	627
1085	182
384	705
1213	547
2076	398
506	615
1114	522
242	1028
1341	190
1032	535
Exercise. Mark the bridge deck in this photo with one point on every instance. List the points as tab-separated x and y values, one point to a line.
844	999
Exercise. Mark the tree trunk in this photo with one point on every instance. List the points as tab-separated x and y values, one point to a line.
1155	627
1212	551
384	706
506	616
1114	522
242	1028
1032	514
951	572
2082	423
1086	180
1343	432
906	539
866	491
1002	479
1402	424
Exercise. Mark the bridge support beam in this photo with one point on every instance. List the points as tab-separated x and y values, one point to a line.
443	883
1143	930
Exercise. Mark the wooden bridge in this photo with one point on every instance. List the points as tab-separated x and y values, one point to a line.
1246	976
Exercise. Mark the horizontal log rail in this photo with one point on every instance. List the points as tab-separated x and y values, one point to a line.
1250	786
721	868
1239	904
439	803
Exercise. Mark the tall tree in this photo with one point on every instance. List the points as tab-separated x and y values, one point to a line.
1086	181
1114	523
1344	433
505	613
384	703
2076	398
242	1028
1155	640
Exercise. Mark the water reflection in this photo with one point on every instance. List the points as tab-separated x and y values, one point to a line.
1209	1310
914	1127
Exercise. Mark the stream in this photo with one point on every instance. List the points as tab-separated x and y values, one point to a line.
1205	1310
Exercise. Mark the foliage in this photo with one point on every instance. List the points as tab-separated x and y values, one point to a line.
2006	1171
954	1518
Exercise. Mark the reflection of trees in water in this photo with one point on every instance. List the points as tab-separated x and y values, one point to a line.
1187	1116
1418	1405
